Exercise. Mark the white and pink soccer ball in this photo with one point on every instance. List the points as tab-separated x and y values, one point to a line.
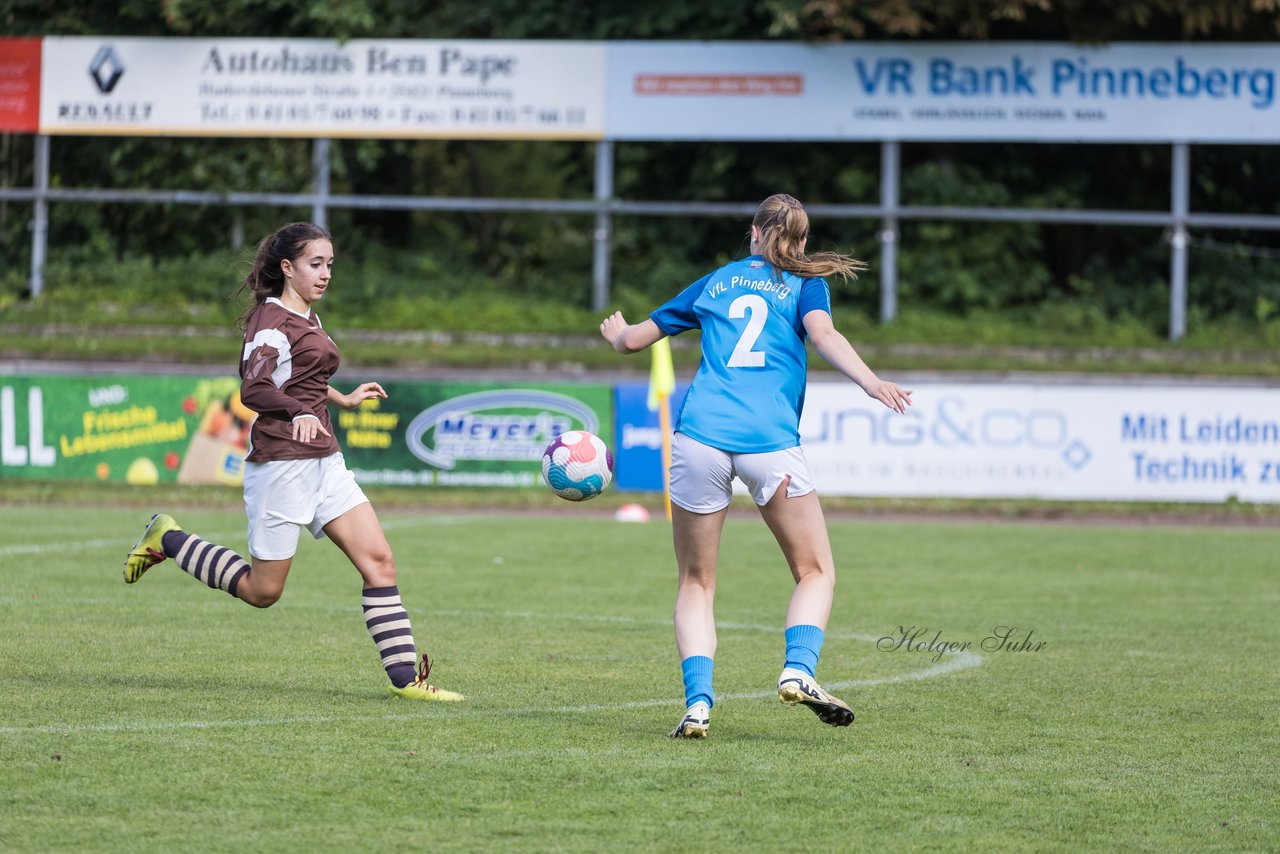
577	465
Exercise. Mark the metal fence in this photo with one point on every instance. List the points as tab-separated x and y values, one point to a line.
890	212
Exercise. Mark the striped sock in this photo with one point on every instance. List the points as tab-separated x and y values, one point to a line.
697	670
804	643
388	625
215	565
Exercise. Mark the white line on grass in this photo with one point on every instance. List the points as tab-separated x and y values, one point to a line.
123	542
956	662
962	661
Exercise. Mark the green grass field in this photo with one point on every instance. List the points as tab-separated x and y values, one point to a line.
167	716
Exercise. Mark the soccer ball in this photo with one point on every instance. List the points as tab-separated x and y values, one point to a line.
577	465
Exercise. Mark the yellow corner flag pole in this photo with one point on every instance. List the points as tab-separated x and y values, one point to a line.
662	382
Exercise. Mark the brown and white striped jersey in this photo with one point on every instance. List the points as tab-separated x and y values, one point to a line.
284	372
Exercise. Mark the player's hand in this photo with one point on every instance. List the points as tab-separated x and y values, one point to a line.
891	395
612	328
363	392
307	427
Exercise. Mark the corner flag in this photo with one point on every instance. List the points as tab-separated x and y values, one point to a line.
662	376
662	382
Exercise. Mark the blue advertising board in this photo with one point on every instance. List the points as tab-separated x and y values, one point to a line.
637	437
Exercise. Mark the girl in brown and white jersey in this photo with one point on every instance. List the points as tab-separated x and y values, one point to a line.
295	475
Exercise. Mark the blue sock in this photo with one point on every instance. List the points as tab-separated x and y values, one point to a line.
697	680
804	643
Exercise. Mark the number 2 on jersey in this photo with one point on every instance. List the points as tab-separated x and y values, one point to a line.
755	306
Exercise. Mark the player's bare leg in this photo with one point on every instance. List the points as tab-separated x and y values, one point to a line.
697	546
263	585
360	536
801	531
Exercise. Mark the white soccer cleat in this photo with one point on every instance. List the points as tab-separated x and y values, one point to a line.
796	686
694	723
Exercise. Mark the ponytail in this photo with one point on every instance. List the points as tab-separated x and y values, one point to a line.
783	226
266	279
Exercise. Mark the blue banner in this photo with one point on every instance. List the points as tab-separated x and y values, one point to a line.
637	438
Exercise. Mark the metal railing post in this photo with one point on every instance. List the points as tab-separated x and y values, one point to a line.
1178	240
889	172
604	223
40	219
320	182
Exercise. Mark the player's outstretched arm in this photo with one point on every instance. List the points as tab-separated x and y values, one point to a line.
362	392
836	349
627	339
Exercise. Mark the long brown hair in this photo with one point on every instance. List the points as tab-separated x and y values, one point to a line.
265	278
784	225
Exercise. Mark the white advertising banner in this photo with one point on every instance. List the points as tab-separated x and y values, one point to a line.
944	91
1034	91
1105	442
310	88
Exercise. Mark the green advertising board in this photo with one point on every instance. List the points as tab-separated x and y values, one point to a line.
135	429
176	429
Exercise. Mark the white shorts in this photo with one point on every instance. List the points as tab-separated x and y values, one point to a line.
702	476
281	497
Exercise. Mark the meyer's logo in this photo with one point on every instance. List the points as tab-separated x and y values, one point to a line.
504	424
106	69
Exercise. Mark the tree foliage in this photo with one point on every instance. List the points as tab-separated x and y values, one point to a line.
1028	20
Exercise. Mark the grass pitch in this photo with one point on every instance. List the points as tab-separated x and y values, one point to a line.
166	716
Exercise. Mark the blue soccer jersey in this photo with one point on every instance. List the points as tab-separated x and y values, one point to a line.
749	389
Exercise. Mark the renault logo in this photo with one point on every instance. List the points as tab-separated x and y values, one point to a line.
106	69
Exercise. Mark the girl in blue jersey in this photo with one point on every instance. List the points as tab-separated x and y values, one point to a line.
741	417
